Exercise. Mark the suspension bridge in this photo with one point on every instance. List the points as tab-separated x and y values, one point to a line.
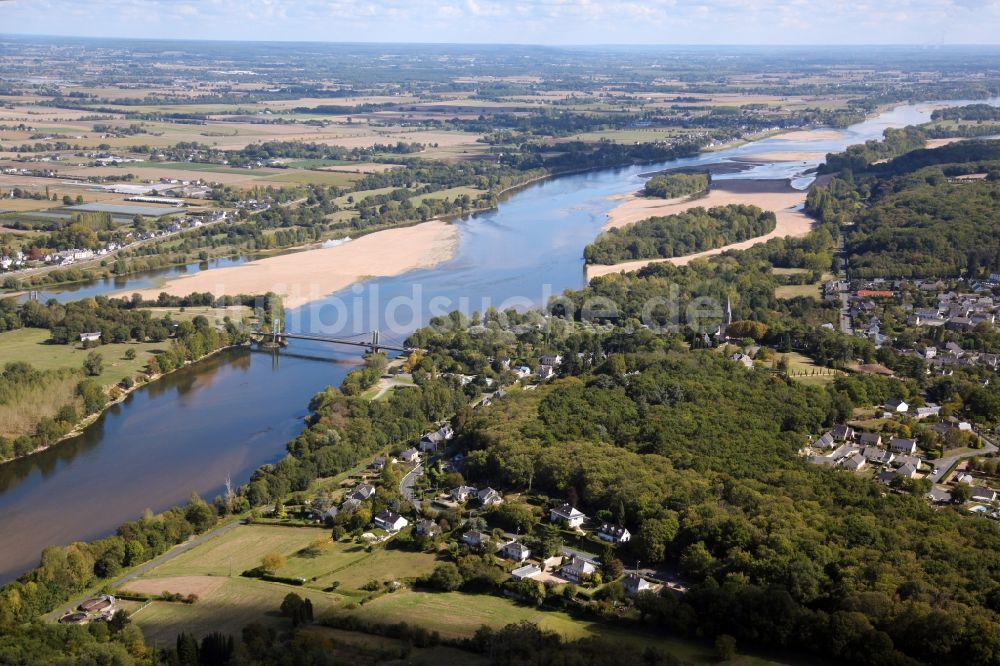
372	341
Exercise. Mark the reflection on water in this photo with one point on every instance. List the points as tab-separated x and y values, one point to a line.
234	412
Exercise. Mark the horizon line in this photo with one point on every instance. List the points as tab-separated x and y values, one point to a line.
906	45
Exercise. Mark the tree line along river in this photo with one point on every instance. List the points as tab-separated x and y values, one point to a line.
235	411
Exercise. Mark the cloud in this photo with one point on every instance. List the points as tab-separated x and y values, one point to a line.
523	21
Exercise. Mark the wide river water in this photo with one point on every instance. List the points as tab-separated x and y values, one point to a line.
230	414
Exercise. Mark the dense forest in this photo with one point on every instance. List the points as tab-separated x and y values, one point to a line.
894	142
968	112
672	185
916	216
702	454
689	232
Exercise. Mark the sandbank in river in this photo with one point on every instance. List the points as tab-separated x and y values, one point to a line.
311	275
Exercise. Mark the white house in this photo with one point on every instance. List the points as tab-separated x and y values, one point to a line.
462	493
90	337
545	372
578	569
904	446
410	455
855	463
825	441
870	439
433	440
634	584
743	360
567	514
929	410
475	538
842	433
613	533
363	492
390	521
984	495
489	497
427	527
896	405
516	551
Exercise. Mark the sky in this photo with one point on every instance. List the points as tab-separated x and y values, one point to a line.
921	22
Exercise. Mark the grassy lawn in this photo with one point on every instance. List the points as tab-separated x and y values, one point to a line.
333	558
385	386
316	163
227	609
239	549
457	615
796	290
215	316
777	270
30	344
342	216
381	565
328	178
801	368
360	195
450	193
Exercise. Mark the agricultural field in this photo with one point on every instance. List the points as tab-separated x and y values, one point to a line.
227	601
813	289
380	565
450	193
215	316
458	615
227	607
22	412
31	344
238	550
313	177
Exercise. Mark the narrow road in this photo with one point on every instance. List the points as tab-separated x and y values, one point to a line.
146	567
406	485
944	464
843	288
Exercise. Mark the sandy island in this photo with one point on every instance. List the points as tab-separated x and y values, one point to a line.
785	156
775	196
311	275
810	135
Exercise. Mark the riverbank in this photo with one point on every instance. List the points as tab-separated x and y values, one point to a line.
772	195
310	275
116	394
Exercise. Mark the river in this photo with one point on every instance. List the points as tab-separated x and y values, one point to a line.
230	414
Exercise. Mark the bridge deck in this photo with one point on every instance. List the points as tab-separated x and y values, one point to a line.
337	341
